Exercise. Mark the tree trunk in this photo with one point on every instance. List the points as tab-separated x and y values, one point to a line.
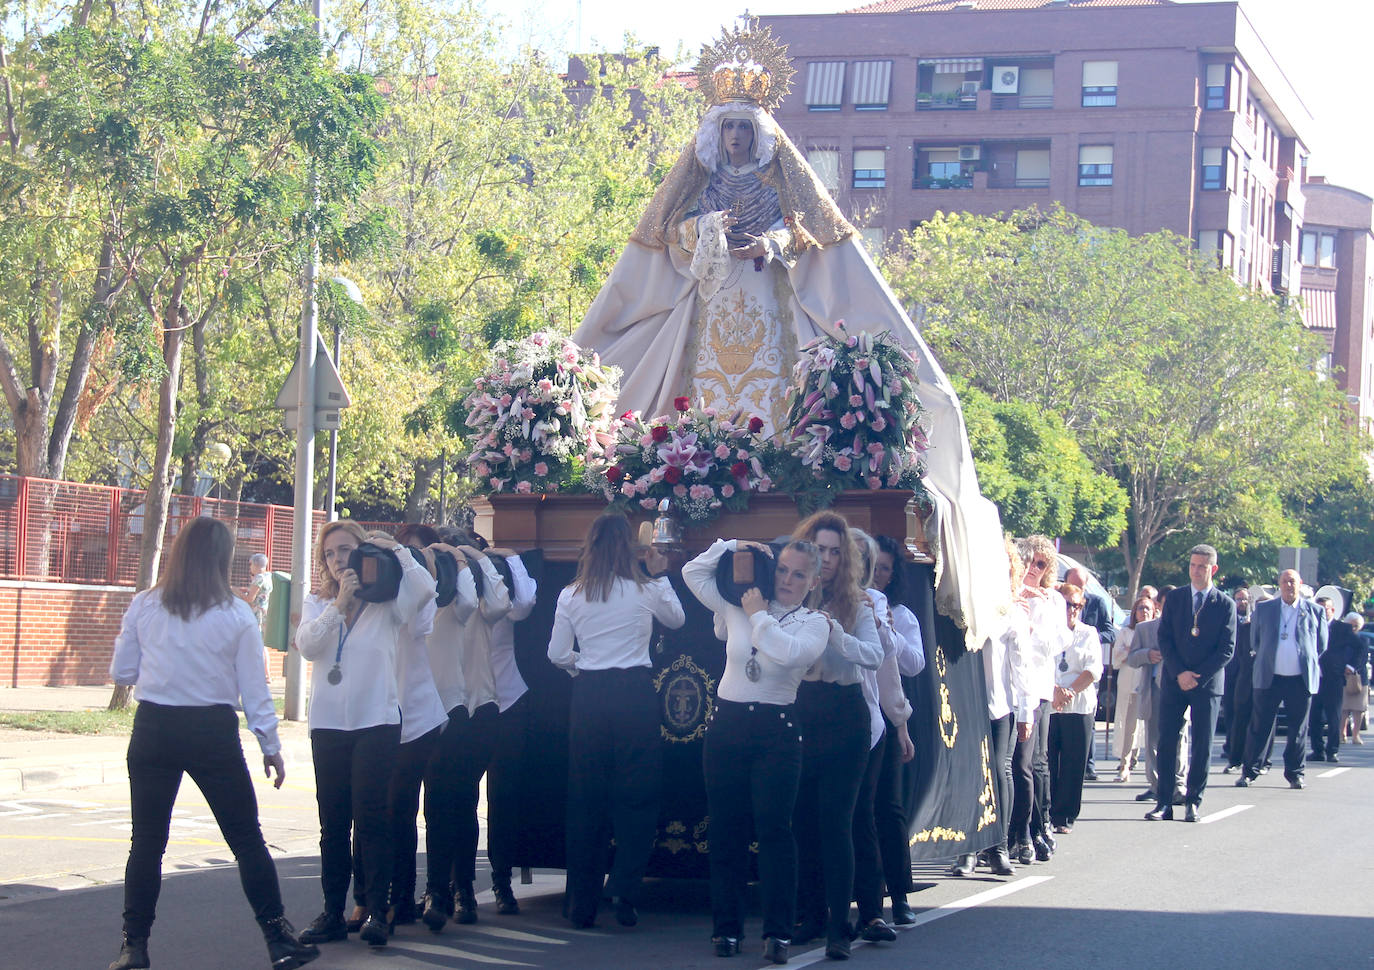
159	484
417	502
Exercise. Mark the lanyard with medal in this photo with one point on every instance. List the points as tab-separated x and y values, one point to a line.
335	674
752	670
1197	613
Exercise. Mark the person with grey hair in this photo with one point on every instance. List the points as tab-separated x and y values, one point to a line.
257	594
1355	701
1324	722
1197	635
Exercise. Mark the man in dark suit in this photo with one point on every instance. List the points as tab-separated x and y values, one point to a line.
1197	635
1288	636
1238	685
1324	728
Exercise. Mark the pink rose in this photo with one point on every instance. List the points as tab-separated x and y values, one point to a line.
647	503
874	481
505	400
482	469
843	462
855	400
765	483
496	483
680	491
699	492
523	487
879	423
848	421
722	452
727	490
541	468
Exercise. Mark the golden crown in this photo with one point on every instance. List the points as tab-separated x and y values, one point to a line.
746	65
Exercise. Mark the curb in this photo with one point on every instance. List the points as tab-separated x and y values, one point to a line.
16	781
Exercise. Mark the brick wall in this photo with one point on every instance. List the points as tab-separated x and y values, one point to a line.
62	634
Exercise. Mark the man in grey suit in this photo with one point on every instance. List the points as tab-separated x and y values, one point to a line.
1288	635
1145	653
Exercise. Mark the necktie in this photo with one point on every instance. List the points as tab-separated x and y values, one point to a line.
1197	602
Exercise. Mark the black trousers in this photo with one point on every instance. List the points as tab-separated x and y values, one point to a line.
868	864
1070	736
835	735
1238	726
402	807
615	773
441	807
752	762
1173	702
352	776
889	815
202	742
1031	780
503	790
1002	733
1292	693
1324	722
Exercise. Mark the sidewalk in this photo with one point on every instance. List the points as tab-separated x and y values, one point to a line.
32	761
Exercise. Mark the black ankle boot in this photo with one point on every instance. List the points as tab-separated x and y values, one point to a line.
506	903
283	949
133	954
465	904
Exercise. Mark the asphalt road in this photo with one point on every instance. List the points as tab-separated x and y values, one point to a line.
1274	878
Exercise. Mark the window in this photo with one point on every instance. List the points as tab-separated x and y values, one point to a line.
940	168
1214	90
826	162
1214	168
824	85
1319	249
1099	84
872	82
1217	244
1095	165
870	168
1033	168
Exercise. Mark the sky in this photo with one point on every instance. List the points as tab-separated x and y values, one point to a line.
1321	45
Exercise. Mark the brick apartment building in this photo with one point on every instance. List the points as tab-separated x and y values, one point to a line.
1141	114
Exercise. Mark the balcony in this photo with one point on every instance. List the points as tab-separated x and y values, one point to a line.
946	101
998	181
932	182
1019	102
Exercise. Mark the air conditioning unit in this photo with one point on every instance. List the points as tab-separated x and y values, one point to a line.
970	153
1006	80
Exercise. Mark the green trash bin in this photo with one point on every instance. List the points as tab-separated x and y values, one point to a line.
276	631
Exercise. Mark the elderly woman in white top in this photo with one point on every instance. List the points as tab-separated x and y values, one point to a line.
1076	672
615	762
753	751
355	719
192	650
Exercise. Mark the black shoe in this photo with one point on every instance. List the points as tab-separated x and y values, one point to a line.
902	913
465	904
1090	776
133	954
435	912
837	947
1190	815
1332	758
1264	768
325	928
1043	850
725	946
1229	769
999	862
355	921
1243	781
1296	782
506	904
775	949
373	931
1161	813
876	931
1314	756
625	913
283	949
403	913
963	865
1145	796
1023	853
1179	798
806	931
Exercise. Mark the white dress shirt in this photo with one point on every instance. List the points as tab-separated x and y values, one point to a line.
422	710
213	658
788	640
510	686
847	654
445	640
1049	636
883	692
911	660
1286	657
1083	652
474	643
615	632
368	694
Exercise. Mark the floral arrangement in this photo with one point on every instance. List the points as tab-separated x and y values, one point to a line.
701	462
540	415
853	415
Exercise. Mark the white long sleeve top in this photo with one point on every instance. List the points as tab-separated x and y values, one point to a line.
368	694
883	687
847	653
1083	652
615	632
213	658
787	640
510	686
1049	634
445	640
422	710
911	660
474	651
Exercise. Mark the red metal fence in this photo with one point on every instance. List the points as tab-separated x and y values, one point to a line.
72	533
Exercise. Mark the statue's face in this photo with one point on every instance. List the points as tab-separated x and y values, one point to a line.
737	140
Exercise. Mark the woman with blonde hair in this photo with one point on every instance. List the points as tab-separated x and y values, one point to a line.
615	763
835	737
193	651
355	718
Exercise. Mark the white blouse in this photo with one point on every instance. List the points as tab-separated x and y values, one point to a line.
445	640
787	640
883	687
510	686
847	654
1049	634
422	710
213	658
1084	652
367	694
615	632
474	641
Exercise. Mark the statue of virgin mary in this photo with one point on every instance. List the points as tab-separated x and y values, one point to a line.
741	258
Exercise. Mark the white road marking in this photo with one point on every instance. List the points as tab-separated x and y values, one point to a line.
1333	772
414	946
1224	813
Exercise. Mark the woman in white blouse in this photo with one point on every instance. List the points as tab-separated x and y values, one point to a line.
355	719
1077	669
835	737
192	650
615	762
753	751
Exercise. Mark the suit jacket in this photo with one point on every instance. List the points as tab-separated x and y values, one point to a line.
1205	654
1343	647
1310	632
1097	613
1145	639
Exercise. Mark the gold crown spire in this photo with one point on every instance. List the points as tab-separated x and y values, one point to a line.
748	65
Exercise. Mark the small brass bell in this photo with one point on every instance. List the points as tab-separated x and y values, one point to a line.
667	529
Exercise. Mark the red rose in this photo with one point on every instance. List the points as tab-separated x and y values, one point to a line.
682	403
739	469
659	433
672	474
615	474
755	425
